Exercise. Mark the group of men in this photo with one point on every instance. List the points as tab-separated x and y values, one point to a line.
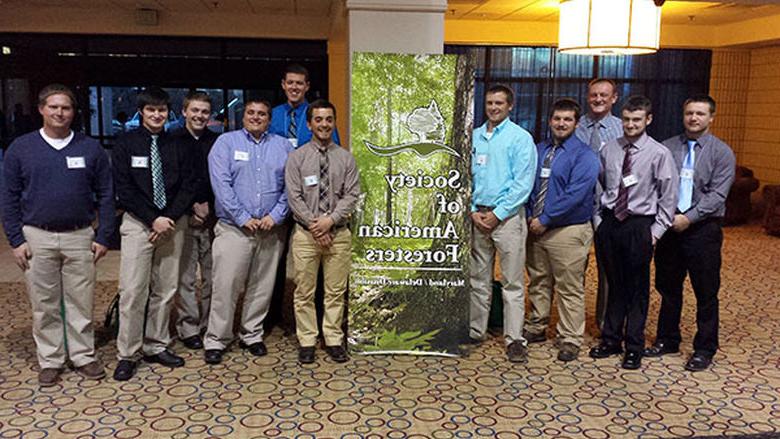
603	178
197	202
191	202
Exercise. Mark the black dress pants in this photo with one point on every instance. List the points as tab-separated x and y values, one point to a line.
626	248
695	252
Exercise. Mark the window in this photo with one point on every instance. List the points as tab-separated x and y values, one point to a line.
539	75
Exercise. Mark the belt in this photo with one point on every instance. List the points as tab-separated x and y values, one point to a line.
481	208
59	229
305	227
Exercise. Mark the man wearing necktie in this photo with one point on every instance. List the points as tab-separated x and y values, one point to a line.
289	119
560	210
596	128
322	185
640	185
706	166
155	186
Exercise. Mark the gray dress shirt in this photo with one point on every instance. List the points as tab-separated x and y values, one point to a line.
655	192
713	174
610	128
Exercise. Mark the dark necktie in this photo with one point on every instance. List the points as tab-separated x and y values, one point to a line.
158	183
292	129
621	205
543	182
324	182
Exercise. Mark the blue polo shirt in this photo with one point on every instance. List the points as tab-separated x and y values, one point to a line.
573	174
280	122
502	168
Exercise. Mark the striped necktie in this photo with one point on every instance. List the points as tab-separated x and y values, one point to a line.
158	183
543	182
324	204
621	205
686	179
292	129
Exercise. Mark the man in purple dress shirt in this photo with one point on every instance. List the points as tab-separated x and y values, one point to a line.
247	174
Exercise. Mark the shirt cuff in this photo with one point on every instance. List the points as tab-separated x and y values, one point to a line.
502	213
657	231
692	215
242	218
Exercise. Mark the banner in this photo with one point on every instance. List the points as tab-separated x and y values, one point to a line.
411	136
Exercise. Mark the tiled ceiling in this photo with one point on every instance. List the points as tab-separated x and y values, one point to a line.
256	7
674	12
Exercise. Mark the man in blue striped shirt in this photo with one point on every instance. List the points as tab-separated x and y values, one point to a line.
247	174
503	161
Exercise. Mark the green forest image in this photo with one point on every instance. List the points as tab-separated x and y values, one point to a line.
411	136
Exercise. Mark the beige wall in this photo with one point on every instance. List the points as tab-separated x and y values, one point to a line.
746	84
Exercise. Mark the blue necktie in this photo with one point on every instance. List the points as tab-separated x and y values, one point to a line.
686	179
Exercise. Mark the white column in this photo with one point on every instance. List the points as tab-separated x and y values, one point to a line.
396	26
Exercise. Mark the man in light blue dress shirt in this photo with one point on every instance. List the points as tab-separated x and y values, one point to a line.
503	164
247	174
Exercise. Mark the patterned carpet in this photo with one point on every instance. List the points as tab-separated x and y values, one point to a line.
424	397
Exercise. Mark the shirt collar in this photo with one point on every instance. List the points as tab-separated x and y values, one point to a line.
497	129
639	144
288	107
252	139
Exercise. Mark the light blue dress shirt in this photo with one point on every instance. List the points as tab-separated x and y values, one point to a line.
503	167
247	176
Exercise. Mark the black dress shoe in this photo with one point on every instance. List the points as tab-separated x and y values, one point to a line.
213	356
257	349
124	370
194	342
660	348
632	360
605	350
166	358
306	355
698	362
534	337
337	353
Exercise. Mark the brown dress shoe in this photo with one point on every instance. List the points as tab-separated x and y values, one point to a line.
92	371
516	352
49	376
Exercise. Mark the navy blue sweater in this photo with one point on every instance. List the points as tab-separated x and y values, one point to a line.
41	190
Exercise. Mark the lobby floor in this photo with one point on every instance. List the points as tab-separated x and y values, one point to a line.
482	395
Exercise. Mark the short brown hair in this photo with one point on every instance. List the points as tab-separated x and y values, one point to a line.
196	95
501	88
566	104
56	89
701	99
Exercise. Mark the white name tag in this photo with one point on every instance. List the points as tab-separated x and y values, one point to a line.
139	161
545	173
630	180
76	162
686	173
294	142
311	180
242	156
482	159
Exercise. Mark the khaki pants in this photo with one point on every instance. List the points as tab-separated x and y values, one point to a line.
336	263
193	317
148	278
508	239
242	262
61	275
556	261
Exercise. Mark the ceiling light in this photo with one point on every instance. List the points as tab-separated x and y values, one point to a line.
609	27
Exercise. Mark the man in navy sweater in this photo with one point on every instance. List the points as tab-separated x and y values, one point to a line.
155	184
55	181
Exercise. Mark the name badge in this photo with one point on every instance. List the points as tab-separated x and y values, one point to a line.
294	142
76	162
545	173
311	180
686	174
139	161
242	156
629	180
482	159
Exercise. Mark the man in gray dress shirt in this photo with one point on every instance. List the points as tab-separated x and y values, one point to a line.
640	192
706	166
597	128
